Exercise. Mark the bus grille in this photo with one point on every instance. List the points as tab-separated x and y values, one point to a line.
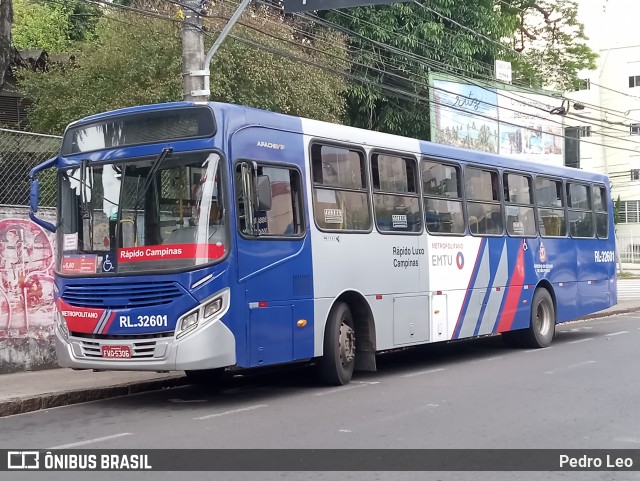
139	350
121	296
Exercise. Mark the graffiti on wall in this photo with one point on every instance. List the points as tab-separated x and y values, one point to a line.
26	278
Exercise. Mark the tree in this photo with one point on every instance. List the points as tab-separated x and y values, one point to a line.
259	69
136	60
132	60
617	210
396	47
52	26
552	42
6	19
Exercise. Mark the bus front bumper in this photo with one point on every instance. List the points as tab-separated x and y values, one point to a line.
209	347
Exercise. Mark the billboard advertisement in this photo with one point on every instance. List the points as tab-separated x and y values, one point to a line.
506	122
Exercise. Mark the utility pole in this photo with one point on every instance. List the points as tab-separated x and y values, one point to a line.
193	53
195	67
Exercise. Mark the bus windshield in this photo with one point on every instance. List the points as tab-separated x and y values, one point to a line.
161	213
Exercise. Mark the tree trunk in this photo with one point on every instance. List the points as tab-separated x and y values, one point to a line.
6	19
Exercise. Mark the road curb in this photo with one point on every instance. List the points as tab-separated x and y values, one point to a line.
617	312
65	398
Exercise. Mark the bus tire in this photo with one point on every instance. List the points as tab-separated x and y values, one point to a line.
206	377
543	320
336	365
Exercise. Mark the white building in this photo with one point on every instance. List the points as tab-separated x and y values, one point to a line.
610	121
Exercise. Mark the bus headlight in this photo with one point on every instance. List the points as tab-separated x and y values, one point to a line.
188	322
215	305
212	307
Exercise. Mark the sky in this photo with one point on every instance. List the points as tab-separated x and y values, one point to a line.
610	23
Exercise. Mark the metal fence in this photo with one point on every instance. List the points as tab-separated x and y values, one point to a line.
628	248
19	153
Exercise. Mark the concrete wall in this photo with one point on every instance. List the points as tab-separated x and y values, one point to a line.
26	291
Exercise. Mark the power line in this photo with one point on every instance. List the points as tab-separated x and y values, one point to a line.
386	87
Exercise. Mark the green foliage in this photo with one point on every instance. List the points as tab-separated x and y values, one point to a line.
552	43
428	42
39	25
424	43
52	25
136	60
269	78
133	60
617	206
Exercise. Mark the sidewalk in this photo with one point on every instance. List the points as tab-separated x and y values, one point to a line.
23	392
31	391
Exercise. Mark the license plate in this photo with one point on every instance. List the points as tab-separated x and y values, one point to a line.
116	352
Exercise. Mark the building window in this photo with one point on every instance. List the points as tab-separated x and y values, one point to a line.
635	174
634	81
583	84
629	211
634	129
585	131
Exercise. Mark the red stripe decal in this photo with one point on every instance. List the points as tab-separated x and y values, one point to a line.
170	252
513	296
79	319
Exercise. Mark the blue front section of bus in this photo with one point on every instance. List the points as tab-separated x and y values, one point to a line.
274	275
268	281
142	315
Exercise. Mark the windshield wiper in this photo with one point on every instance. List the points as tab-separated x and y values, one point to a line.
147	183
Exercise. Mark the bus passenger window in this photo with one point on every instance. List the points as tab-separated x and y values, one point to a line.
601	210
442	198
580	210
550	204
396	201
340	197
483	201
519	205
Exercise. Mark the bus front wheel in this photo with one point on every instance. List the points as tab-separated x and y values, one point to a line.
336	365
543	320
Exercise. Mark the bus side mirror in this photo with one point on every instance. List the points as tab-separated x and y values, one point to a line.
263	201
34	195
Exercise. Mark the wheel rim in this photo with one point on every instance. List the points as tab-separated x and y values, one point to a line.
543	317
347	340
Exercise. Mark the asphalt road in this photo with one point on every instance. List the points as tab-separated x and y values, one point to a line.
581	393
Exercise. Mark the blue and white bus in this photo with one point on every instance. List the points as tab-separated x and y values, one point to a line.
209	237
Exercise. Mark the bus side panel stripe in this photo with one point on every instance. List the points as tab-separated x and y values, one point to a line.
480	264
495	295
513	295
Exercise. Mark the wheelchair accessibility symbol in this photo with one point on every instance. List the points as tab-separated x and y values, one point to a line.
108	263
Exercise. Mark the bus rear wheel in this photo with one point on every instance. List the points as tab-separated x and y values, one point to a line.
543	321
336	365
